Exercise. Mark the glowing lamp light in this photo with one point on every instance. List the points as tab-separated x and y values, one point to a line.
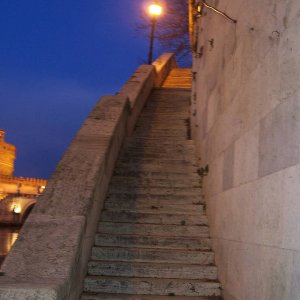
17	209
155	10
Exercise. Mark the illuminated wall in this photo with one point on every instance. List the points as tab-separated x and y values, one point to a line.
7	156
246	124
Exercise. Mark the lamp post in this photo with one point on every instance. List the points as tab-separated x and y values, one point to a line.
154	10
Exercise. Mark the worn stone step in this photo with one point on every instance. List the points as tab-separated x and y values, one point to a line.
170	124
158	110
153	270
162	99
155	209
153	255
168	96
97	296
129	156
156	199
142	218
134	200
159	150
146	142
166	209
163	144
162	128
165	130
162	102
163	161
151	286
153	229
167	154
134	182
157	242
167	135
157	175
161	91
141	143
163	116
154	167
164	191
152	140
164	119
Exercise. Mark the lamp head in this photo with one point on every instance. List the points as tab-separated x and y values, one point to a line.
155	10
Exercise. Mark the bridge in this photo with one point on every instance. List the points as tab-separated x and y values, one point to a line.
18	195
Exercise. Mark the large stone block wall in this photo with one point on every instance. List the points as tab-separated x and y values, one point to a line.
246	124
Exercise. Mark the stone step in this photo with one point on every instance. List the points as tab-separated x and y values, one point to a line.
134	182
164	115
97	296
157	198
162	191
170	137
170	95
142	218
162	128
166	108
133	141
168	151
154	209
164	150
161	134
164	124
152	140
151	270
153	255
151	286
157	175
177	97
155	167
156	113
168	91
157	242
153	229
166	128
145	200
171	118
167	101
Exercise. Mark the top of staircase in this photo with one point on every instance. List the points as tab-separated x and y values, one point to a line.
179	78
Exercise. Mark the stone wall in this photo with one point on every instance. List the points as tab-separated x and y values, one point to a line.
246	123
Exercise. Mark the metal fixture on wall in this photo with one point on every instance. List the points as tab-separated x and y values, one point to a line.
204	3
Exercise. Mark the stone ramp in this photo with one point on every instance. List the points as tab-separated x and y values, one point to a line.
153	237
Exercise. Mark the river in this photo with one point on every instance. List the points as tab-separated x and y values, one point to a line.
8	235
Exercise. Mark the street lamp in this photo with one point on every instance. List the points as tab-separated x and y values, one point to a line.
155	10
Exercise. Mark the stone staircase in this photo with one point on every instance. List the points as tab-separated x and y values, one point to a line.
153	237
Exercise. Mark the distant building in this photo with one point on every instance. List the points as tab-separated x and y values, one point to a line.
18	195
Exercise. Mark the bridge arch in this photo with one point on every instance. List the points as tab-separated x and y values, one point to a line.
26	210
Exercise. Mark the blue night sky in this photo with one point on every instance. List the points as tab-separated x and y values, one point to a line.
57	58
